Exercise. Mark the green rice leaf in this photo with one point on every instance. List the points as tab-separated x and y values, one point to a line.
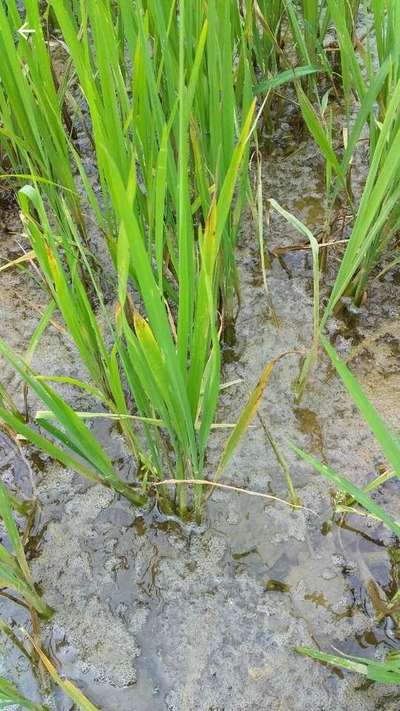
287	76
355	492
385	672
388	441
10	695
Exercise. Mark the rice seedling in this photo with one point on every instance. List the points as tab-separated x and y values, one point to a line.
360	58
386	16
388	670
309	22
312	25
16	584
300	227
377	217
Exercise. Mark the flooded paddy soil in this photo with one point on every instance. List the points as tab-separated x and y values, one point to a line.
151	616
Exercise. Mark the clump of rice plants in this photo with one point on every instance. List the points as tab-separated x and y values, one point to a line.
165	388
388	670
168	169
376	90
173	180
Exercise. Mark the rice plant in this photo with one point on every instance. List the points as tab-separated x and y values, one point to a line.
387	671
360	59
168	167
16	583
309	22
145	354
386	17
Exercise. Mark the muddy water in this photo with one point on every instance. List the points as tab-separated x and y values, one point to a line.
151	616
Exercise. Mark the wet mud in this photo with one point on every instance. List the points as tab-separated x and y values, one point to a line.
151	615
